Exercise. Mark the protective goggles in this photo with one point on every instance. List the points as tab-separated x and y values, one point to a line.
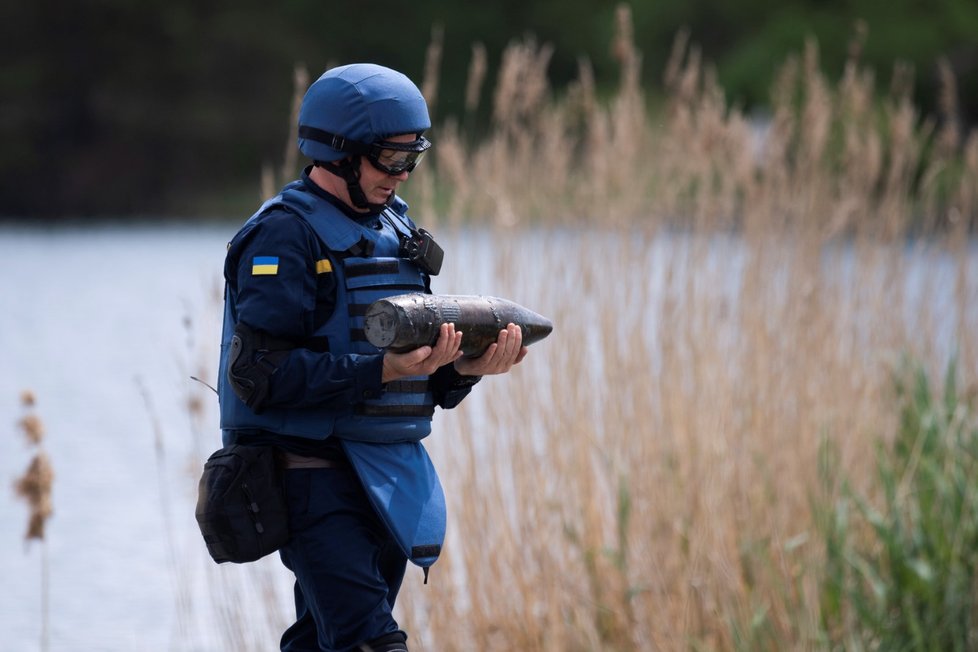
390	157
397	158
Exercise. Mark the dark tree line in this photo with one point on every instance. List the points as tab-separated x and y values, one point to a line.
119	107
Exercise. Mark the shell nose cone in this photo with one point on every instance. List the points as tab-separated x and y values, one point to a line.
544	327
536	328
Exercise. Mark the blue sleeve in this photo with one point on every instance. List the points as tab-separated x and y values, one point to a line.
271	268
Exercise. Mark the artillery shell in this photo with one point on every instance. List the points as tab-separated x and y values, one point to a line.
406	321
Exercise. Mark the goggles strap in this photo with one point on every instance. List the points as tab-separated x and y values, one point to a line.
332	140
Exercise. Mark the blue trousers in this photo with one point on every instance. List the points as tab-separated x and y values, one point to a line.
348	568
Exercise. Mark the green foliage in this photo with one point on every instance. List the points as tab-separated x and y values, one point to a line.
168	102
902	575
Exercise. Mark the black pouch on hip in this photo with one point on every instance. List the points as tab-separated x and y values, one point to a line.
241	508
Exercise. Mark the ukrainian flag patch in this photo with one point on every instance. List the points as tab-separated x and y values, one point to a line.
324	266
264	266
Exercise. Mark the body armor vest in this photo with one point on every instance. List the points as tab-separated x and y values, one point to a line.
367	269
381	437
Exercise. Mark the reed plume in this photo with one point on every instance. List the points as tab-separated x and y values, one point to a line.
35	485
432	64
477	75
35	488
270	182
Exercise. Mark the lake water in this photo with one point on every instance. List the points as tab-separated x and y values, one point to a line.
105	324
93	320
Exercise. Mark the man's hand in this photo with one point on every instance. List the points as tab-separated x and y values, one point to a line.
499	358
424	360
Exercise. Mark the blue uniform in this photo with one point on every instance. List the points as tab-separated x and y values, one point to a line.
300	273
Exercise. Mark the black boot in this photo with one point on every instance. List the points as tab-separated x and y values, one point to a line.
393	642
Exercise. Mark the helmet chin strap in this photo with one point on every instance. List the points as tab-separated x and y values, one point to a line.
349	170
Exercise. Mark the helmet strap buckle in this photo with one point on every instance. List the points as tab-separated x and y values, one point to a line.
348	169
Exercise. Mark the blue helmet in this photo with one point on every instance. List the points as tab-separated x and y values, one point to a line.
351	107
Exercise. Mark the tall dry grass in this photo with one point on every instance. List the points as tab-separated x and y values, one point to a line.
729	297
830	158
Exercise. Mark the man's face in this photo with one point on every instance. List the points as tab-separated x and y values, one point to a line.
377	185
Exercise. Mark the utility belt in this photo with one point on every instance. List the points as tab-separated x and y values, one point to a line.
324	457
288	461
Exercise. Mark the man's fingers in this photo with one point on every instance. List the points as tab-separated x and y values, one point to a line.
426	360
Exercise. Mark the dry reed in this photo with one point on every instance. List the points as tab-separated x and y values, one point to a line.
35	488
835	160
729	294
35	485
234	592
432	64
270	183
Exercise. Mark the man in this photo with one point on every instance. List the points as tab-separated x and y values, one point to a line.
297	373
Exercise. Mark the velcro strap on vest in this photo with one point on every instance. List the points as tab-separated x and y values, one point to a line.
407	386
369	410
358	335
265	342
425	551
370	268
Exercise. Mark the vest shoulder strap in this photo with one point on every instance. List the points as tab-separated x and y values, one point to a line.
339	233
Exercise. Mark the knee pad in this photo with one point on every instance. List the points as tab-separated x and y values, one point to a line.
393	642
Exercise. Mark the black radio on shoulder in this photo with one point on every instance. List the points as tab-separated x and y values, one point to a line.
422	250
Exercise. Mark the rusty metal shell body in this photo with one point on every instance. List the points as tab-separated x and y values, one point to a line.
406	321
